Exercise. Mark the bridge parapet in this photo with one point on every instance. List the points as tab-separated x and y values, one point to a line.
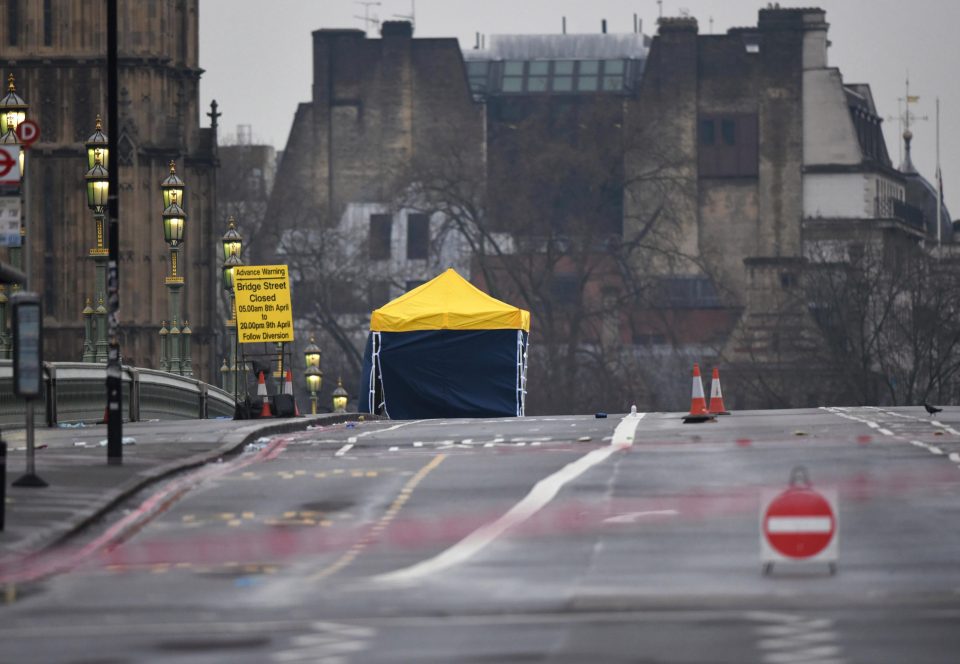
76	392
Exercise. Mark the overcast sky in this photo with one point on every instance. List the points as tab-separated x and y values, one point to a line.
257	53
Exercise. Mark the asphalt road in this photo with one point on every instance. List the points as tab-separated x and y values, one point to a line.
566	539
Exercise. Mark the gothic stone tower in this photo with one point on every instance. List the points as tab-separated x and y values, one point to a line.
56	49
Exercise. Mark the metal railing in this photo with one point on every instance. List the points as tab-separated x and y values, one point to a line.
76	392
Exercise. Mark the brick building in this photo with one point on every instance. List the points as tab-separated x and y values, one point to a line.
57	53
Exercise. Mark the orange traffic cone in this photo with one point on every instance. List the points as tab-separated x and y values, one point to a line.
262	393
698	404
716	395
288	389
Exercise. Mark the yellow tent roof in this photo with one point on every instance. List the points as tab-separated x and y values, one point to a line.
448	302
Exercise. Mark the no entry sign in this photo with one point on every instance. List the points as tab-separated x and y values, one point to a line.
799	524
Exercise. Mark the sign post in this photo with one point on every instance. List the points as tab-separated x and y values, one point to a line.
262	304
799	525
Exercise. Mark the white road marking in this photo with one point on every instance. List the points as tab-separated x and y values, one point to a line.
394	449
542	493
631	517
885	432
955	457
343	450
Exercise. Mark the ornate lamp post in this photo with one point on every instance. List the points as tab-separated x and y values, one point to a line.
13	111
311	357
232	243
174	348
314	378
98	188
340	398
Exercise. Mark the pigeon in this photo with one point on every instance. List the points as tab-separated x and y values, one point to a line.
932	409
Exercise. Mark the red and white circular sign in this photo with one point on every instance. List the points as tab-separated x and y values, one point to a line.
28	131
799	523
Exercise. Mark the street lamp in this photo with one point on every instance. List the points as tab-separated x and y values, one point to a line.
231	241
340	398
311	357
314	379
311	354
174	347
13	111
98	190
232	261
98	142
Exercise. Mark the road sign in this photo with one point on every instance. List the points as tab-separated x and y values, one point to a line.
9	221
799	524
262	304
28	131
9	164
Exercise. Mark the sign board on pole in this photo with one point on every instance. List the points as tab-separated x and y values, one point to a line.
262	305
10	164
28	132
799	524
9	221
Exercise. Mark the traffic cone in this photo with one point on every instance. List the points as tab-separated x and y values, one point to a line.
698	404
288	389
716	395
262	393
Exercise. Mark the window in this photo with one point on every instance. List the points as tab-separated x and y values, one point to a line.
537	76
477	74
728	129
13	22
513	76
728	145
588	73
48	22
707	132
381	230
613	74
687	292
418	236
563	76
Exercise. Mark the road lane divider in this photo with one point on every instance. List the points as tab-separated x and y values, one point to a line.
374	532
540	495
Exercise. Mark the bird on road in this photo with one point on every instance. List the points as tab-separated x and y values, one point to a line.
932	409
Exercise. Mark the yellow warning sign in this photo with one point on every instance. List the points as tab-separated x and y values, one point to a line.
263	303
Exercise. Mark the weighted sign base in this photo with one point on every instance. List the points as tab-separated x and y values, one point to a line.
30	479
768	568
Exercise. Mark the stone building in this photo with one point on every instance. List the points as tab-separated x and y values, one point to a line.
727	163
57	52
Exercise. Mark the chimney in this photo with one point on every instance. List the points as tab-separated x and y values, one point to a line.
564	25
603	26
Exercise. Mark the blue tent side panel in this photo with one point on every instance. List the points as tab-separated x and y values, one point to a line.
363	392
449	373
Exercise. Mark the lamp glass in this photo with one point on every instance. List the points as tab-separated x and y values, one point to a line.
339	403
228	277
92	149
231	247
13	118
313	381
174	221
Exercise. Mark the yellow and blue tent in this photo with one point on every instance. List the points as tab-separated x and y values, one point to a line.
446	349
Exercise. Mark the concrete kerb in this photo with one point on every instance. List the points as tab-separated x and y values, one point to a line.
233	443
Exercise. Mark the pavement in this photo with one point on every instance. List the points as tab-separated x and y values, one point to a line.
82	487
